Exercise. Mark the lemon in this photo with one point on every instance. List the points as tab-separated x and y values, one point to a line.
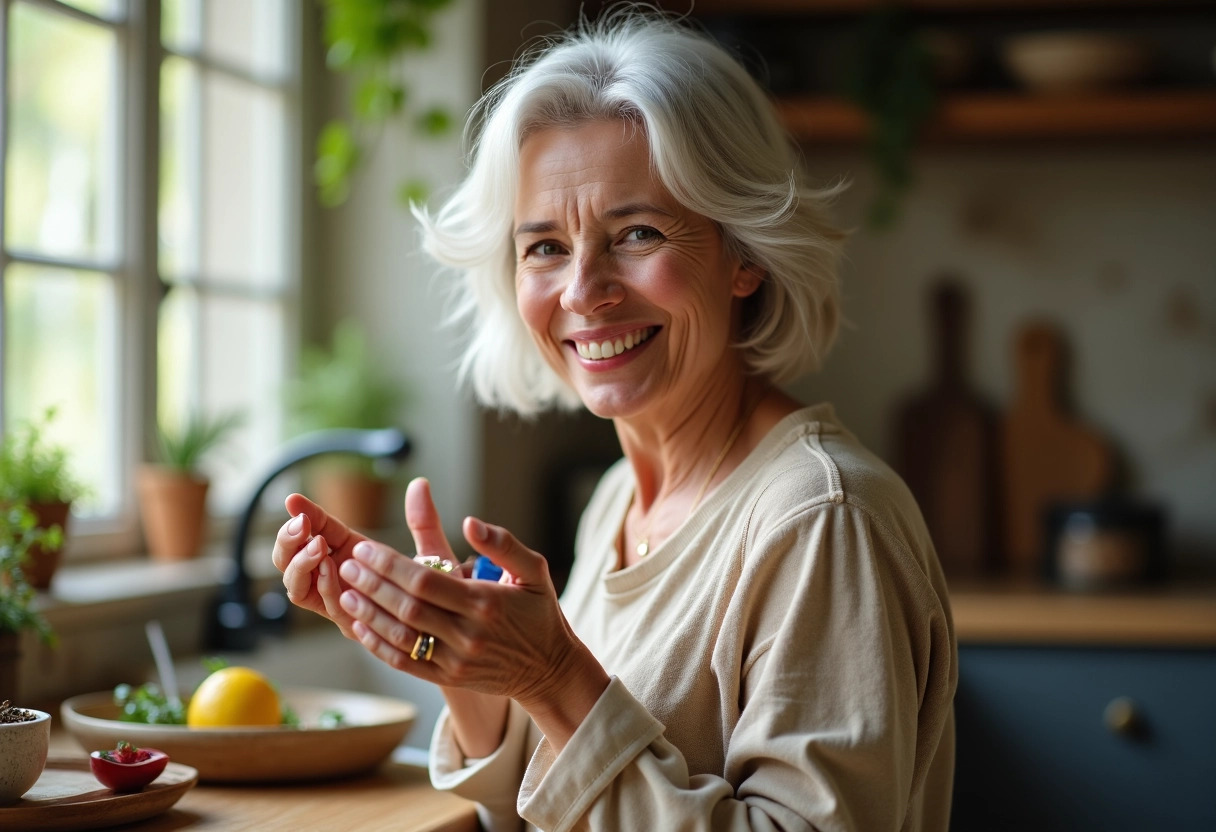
234	696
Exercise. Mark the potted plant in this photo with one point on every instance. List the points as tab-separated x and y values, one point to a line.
35	471
342	387
19	533
173	492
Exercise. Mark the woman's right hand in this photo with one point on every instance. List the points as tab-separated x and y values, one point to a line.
308	550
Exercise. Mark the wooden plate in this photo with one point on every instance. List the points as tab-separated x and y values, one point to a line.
67	797
372	727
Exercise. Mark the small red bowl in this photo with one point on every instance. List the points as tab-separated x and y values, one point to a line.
128	777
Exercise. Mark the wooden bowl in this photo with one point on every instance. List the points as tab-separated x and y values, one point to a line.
372	727
1074	62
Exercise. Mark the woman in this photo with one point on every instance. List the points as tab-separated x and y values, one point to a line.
755	633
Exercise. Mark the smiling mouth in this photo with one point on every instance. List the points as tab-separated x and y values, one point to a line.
599	350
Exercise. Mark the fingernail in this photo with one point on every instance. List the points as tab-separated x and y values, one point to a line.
349	602
296	525
480	532
324	568
363	548
349	570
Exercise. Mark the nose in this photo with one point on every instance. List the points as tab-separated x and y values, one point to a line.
592	287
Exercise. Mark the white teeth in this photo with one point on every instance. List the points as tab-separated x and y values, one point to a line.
597	350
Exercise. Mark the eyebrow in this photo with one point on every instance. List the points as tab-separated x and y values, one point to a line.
628	210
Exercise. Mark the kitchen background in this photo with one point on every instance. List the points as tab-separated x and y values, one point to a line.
1098	218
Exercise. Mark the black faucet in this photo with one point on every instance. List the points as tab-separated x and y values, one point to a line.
234	621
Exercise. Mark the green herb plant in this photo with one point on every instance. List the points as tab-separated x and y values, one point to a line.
183	450
342	387
370	40
19	532
33	468
893	83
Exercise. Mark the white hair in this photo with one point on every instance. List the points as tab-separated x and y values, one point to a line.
716	144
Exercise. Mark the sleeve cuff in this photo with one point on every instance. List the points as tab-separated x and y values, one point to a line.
558	789
493	781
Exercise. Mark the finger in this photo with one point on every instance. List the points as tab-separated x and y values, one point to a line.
291	538
298	575
337	533
394	657
389	578
330	589
521	564
423	519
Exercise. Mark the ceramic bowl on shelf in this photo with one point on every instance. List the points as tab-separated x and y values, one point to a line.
1075	62
370	728
23	749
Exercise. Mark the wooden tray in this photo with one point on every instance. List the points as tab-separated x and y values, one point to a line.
67	797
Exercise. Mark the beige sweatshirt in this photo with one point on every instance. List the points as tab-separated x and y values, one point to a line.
786	660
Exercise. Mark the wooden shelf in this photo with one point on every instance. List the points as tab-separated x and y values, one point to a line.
1036	615
1011	116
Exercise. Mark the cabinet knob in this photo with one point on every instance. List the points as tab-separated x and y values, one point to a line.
1122	717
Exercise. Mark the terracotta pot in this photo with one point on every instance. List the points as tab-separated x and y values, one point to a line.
355	498
44	562
173	508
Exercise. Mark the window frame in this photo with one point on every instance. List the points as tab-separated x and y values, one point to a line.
135	270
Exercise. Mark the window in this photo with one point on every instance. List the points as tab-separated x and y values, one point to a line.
118	245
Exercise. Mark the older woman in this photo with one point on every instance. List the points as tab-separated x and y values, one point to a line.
755	633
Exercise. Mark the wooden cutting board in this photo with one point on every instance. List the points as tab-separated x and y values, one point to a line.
946	446
1047	455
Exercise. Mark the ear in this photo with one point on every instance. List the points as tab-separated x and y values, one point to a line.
747	279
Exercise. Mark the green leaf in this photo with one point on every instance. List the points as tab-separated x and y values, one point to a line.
435	122
377	99
413	192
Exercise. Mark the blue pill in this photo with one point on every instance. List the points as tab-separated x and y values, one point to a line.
485	570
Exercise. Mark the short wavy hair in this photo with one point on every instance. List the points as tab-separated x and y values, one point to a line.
717	145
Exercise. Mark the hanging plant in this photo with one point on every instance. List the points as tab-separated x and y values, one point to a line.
369	40
892	81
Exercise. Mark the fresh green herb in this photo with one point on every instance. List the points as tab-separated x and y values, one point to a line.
149	705
331	718
214	663
289	717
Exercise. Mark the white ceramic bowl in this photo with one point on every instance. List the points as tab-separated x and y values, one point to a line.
23	747
372	727
1072	62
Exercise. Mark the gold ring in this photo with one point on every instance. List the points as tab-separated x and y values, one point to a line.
424	646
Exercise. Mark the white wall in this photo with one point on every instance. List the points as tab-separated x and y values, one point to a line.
1116	245
373	270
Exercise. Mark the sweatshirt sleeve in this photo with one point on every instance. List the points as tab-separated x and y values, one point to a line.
492	782
839	655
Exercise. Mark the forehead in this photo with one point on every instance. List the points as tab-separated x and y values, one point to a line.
608	159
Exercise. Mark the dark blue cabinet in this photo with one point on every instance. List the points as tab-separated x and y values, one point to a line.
1041	747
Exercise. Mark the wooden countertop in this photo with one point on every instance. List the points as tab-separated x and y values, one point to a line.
396	797
1174	615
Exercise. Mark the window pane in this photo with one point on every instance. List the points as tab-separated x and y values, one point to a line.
109	9
179	186
219	355
243	182
180	24
62	161
62	351
249	35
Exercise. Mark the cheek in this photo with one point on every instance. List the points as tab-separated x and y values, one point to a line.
535	305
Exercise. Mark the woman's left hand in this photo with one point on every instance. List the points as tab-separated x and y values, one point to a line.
507	638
